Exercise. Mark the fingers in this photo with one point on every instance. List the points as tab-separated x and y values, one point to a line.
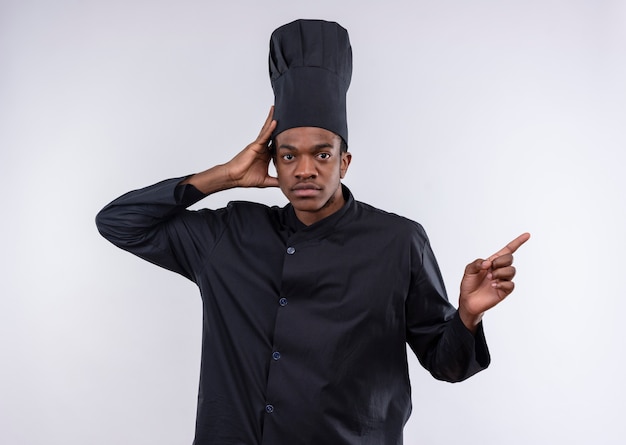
268	128
503	273
512	246
502	261
504	288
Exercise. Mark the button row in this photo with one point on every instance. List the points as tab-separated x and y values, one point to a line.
276	355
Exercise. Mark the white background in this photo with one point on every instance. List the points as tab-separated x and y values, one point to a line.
479	119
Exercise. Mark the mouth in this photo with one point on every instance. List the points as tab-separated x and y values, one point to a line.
304	190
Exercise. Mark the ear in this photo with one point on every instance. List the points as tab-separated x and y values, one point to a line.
345	163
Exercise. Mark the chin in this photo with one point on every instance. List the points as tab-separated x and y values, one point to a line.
307	206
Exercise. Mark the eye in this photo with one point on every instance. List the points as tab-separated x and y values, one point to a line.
324	156
287	157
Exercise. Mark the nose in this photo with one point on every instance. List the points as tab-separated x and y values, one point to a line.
305	168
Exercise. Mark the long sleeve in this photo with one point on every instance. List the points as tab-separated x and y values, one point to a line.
153	223
435	332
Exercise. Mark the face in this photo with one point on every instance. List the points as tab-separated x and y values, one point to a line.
310	165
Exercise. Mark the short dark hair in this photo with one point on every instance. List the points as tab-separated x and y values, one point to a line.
343	148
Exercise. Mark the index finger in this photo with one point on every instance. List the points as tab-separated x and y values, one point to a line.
512	246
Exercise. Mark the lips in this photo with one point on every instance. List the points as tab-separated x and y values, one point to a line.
305	189
305	186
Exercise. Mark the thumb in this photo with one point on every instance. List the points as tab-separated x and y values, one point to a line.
270	181
477	266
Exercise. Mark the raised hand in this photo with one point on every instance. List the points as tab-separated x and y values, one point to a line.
487	282
250	167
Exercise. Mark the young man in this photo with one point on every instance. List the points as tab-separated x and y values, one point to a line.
308	308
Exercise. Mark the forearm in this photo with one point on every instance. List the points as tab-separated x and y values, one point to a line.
212	180
450	348
459	354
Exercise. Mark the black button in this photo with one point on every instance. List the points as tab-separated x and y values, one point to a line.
276	355
282	302
269	409
291	250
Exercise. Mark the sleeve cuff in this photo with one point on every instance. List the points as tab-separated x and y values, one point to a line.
477	342
187	194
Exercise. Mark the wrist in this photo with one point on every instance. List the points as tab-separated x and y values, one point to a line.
471	321
212	180
235	171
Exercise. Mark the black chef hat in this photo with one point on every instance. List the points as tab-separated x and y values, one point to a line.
310	65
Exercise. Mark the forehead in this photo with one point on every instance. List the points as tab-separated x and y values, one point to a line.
306	137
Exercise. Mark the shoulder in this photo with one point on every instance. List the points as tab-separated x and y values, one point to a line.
389	229
250	214
388	220
240	219
389	234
